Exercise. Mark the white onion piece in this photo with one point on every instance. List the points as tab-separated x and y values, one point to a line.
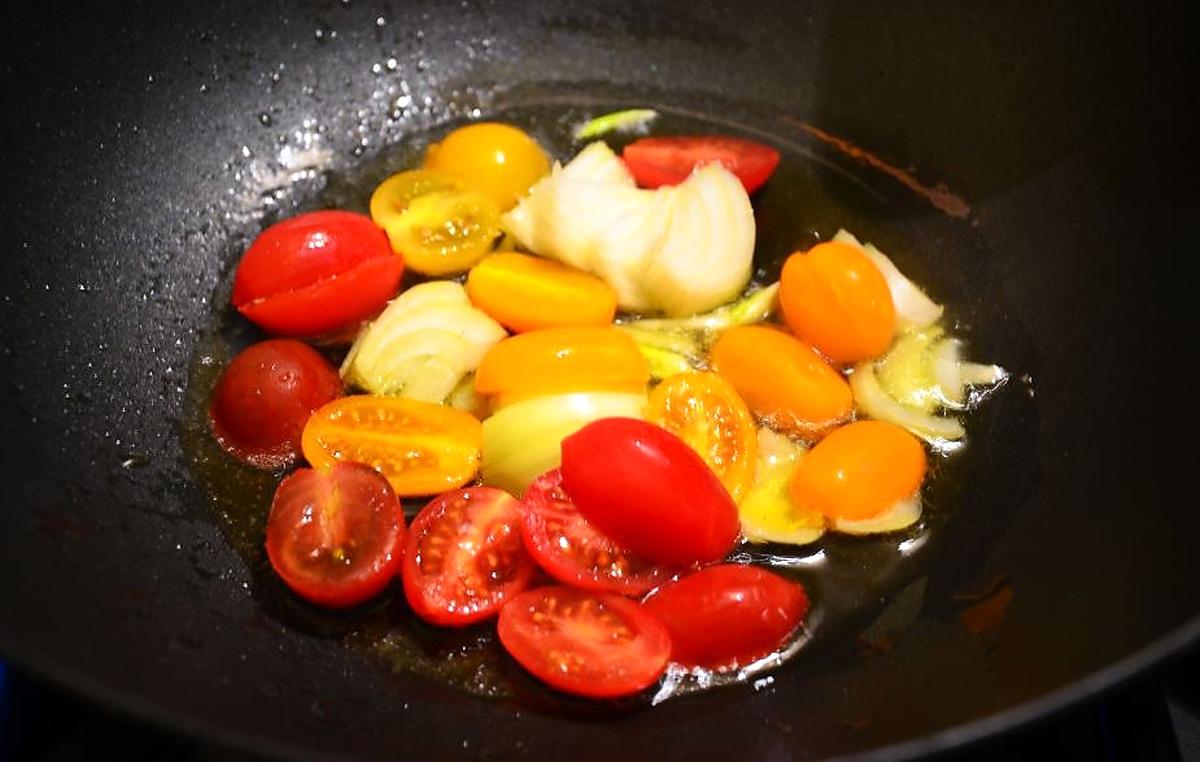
940	432
903	514
913	307
947	371
976	374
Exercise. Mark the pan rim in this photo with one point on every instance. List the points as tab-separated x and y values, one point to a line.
1041	708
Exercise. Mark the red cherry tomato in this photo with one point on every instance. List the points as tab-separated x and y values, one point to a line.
317	273
646	489
465	557
573	551
669	160
589	644
334	535
728	614
265	396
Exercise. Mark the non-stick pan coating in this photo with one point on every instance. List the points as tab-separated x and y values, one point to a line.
135	131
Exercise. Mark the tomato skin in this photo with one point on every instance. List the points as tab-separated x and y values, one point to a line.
646	489
464	556
660	161
835	298
574	552
264	398
334	535
728	614
316	273
585	643
526	293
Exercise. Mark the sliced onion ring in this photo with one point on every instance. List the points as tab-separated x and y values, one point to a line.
903	514
941	432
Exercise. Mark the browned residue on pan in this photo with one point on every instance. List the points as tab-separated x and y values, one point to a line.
939	195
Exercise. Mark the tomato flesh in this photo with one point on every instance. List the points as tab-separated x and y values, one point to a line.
316	273
334	535
646	489
728	615
265	396
660	161
465	556
573	551
584	643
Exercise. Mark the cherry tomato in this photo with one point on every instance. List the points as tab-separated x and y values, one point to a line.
315	274
859	471
669	160
464	556
782	379
728	615
573	551
498	159
646	489
263	399
835	298
561	360
437	223
705	411
585	643
334	535
525	293
421	448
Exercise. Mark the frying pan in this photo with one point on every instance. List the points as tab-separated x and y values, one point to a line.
1032	163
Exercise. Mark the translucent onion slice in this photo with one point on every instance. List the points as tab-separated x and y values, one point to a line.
902	515
945	358
768	513
524	440
913	307
941	432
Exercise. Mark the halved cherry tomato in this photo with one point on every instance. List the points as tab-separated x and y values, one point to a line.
669	160
421	448
705	411
642	486
334	535
835	298
498	159
573	551
585	643
859	471
559	361
436	222
263	399
315	274
782	379
526	293
728	615
465	557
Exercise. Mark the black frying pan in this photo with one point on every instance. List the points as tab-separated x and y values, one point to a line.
146	146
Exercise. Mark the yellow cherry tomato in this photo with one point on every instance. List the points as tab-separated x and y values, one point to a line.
782	379
525	293
859	471
561	360
834	297
435	221
498	159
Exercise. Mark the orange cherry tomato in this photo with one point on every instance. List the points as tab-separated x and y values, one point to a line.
559	361
835	298
705	411
421	448
782	379
526	293
859	471
498	159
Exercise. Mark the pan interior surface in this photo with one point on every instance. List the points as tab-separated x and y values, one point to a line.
152	147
